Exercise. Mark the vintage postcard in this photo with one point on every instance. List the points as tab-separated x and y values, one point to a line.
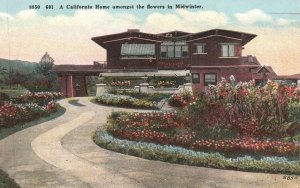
173	93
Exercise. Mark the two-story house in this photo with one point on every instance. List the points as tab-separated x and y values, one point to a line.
206	56
209	55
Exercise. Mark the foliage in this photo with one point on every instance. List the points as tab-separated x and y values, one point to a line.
6	131
294	111
169	128
40	98
126	101
233	119
180	155
182	99
247	110
91	82
167	84
6	181
27	108
146	96
133	99
121	83
3	97
34	77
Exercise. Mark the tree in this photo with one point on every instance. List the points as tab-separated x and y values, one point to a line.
3	73
43	79
45	65
9	79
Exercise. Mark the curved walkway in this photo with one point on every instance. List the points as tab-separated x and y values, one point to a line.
61	153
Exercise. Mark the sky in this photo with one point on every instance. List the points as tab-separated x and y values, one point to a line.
26	34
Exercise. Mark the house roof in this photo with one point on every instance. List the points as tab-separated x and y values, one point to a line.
250	60
88	69
259	72
173	35
289	77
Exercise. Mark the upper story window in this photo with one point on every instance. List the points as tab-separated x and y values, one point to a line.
199	48
171	49
137	50
228	50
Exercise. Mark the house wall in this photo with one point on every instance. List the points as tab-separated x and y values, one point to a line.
212	55
213	52
240	74
73	85
114	60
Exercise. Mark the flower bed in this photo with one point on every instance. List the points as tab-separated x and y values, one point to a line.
182	99
125	101
234	120
121	84
180	155
133	100
170	129
165	84
40	98
29	107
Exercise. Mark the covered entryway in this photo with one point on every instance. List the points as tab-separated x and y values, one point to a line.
72	78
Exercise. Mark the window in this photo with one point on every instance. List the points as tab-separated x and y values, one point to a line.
228	50
195	78
210	79
171	49
138	50
163	51
200	48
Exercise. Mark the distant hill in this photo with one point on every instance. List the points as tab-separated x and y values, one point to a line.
21	66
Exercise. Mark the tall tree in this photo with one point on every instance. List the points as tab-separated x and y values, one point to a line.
3	74
45	64
44	79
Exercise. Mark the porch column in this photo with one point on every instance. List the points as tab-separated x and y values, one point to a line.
100	89
63	84
69	86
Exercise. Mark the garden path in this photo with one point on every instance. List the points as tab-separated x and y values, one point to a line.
61	153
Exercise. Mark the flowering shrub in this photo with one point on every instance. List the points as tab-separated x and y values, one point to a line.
28	107
167	84
182	99
120	84
248	146
248	110
233	119
125	101
40	98
165	127
13	114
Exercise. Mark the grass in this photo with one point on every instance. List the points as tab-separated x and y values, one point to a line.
6	131
6	181
14	92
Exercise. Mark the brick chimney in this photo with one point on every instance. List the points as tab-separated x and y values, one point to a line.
133	30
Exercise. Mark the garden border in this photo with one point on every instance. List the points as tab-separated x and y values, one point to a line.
178	155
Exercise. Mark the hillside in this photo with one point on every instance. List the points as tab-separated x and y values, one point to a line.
21	66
